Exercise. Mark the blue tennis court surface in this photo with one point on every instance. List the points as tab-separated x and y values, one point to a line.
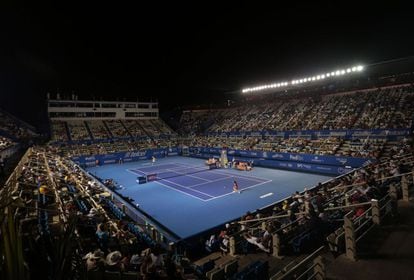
188	198
198	181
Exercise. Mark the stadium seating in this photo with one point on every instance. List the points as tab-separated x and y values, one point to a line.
15	128
48	190
5	143
376	108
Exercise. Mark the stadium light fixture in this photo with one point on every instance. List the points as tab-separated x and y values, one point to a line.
338	72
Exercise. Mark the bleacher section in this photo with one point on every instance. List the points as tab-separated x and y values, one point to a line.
15	128
52	210
5	143
98	130
78	131
373	109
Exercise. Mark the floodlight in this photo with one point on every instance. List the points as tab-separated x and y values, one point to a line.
339	72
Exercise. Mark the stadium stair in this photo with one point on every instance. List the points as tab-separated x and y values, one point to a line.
107	129
67	131
89	130
156	126
388	251
146	132
126	129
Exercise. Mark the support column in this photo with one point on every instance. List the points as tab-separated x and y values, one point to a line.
276	246
404	187
393	192
350	241
319	268
232	246
376	215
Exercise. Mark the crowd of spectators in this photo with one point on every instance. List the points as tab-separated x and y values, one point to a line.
59	131
335	146
53	192
5	143
78	130
375	108
89	130
304	220
15	127
98	129
116	128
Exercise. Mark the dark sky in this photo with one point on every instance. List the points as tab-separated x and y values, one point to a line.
182	53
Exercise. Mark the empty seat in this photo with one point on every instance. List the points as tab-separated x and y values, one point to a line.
112	275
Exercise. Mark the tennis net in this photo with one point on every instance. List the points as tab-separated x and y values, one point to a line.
177	172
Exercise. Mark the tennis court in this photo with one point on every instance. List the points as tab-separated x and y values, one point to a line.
199	181
187	198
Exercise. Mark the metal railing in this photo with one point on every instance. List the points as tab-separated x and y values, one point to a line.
311	267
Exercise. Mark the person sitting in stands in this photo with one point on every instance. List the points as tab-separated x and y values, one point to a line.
95	260
224	245
113	261
103	235
255	241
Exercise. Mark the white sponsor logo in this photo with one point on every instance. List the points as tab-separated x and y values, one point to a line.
277	156
316	159
135	154
342	160
296	157
305	166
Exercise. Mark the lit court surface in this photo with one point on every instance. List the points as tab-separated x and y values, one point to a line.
188	198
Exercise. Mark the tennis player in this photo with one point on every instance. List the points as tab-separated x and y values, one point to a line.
153	160
236	187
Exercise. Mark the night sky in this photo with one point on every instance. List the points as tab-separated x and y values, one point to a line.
183	54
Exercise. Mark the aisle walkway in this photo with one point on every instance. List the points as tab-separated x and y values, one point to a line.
388	254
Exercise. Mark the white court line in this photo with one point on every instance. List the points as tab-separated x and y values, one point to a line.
229	175
183	191
155	165
134	172
220	171
241	190
160	183
185	174
176	170
187	188
210	182
246	176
